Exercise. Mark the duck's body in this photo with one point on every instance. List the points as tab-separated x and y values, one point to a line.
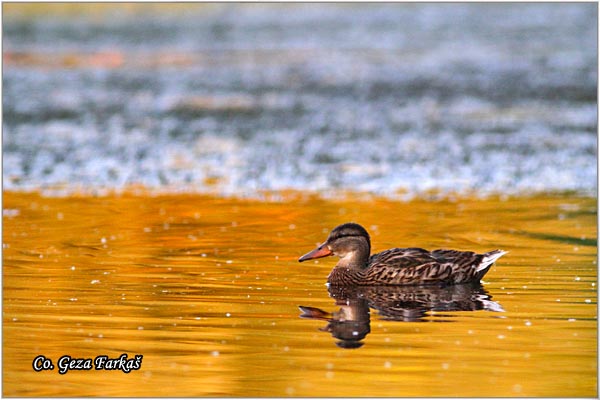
398	266
416	266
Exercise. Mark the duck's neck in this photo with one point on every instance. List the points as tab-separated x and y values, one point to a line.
357	258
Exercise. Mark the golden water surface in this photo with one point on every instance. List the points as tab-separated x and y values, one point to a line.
207	291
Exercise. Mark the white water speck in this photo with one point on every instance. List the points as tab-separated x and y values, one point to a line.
501	337
229	262
72	268
94	281
387	364
571	320
517	388
588	300
527	323
140	328
445	365
228	315
215	353
10	212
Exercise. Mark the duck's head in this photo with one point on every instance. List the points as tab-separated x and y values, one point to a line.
348	241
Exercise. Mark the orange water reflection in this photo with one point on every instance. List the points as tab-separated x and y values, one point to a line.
207	290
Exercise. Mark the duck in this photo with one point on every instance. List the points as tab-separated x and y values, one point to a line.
398	266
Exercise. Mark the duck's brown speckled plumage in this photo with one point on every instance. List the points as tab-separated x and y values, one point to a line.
398	266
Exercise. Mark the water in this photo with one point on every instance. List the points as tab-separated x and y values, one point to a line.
392	99
164	166
208	291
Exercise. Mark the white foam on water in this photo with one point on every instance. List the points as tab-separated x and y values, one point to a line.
327	99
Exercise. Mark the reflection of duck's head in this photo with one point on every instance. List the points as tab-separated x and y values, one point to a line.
350	324
349	241
350	333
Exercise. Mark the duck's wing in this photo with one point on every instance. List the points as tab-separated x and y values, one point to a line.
402	258
456	257
466	257
410	266
413	266
476	264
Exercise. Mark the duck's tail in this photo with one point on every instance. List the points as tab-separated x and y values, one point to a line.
488	259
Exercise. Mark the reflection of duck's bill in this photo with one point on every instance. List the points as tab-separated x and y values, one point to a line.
321	251
314	313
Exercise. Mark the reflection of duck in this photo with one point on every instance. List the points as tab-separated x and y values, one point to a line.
409	266
351	323
412	303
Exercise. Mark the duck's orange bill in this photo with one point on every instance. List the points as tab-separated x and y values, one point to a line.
321	251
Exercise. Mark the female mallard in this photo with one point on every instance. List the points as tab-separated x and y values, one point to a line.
410	266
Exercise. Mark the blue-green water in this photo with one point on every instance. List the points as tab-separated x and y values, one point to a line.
235	99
